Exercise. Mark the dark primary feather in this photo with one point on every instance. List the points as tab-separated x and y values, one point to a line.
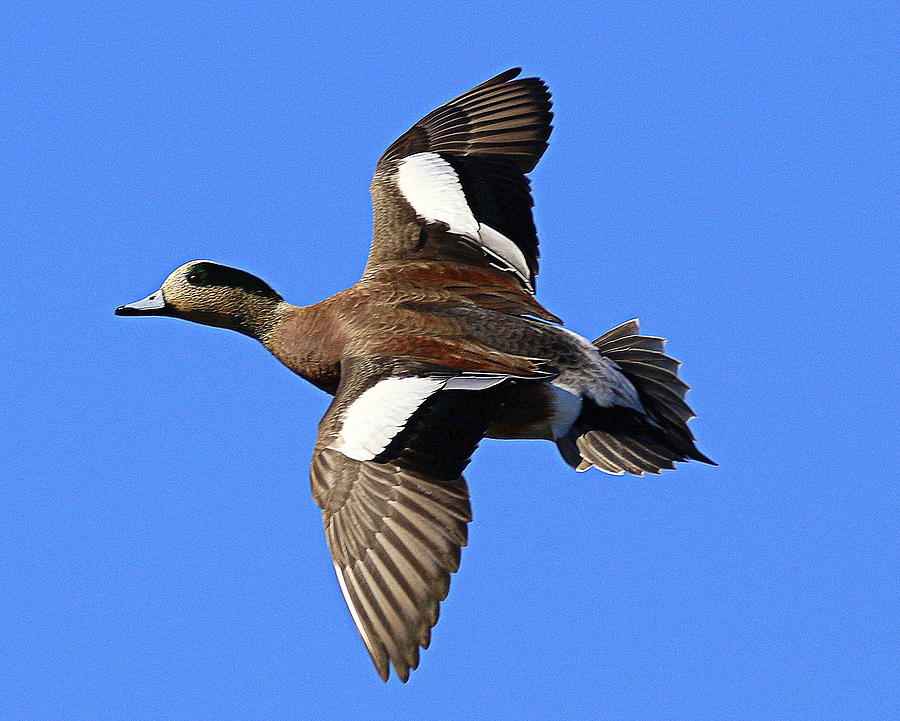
502	116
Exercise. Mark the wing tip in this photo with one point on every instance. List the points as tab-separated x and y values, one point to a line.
503	77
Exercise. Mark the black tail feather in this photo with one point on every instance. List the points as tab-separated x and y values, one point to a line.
620	440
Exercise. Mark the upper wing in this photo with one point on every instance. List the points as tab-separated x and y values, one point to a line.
386	473
453	187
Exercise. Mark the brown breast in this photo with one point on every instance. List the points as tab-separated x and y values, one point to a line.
385	314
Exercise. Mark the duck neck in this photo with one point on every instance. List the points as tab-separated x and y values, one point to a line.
259	317
254	316
309	340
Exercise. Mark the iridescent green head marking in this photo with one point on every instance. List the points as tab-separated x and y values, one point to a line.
204	273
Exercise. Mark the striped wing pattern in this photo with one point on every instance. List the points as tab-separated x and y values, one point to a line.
502	116
395	522
395	538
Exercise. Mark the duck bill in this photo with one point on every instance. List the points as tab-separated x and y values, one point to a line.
153	304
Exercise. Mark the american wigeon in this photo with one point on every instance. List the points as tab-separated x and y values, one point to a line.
440	344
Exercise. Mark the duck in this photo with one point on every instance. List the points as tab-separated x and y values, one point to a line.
440	344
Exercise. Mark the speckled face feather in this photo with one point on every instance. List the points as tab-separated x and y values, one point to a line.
205	292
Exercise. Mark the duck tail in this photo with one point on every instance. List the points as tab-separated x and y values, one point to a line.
622	440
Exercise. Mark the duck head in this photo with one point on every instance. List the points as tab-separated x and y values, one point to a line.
205	292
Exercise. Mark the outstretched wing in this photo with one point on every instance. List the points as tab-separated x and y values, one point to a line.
453	187
386	473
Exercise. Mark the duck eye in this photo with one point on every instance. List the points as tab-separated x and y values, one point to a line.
196	277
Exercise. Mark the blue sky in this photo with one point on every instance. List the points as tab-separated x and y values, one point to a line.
726	173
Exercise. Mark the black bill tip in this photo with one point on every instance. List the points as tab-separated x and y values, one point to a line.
127	310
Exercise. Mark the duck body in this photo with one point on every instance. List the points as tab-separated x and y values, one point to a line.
440	344
400	312
412	309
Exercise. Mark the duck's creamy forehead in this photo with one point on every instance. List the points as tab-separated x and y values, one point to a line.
179	273
191	263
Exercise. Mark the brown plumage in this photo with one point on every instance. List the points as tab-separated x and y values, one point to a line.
440	344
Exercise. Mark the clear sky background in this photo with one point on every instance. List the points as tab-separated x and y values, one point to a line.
726	173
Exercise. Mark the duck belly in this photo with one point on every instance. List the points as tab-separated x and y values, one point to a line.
536	411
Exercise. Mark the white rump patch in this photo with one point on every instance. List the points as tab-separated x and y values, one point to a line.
566	409
598	378
380	413
431	186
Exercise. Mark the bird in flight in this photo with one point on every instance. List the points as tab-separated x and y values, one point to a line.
442	343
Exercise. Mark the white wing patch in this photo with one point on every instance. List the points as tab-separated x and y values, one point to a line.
380	413
373	420
504	248
431	186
